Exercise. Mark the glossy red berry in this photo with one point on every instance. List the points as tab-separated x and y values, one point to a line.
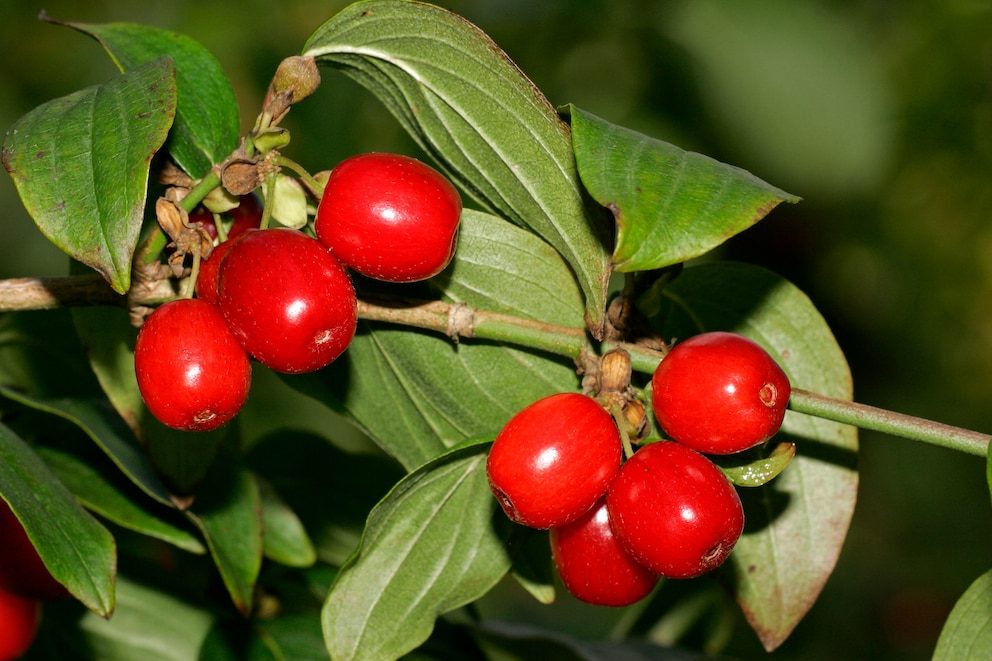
246	216
206	221
674	511
287	299
22	570
206	279
553	460
19	617
192	372
389	217
719	393
592	564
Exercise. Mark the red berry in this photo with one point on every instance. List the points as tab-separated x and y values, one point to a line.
192	372
389	217
288	300
206	279
674	511
719	393
19	617
21	568
592	564
206	220
246	216
553	460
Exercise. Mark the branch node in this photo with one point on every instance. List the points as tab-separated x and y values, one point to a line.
461	322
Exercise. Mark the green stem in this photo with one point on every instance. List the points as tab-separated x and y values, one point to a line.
304	176
889	422
200	191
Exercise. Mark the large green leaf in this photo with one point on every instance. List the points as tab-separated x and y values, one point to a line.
81	164
330	491
418	394
149	625
429	547
76	549
114	502
670	205
284	540
207	123
797	523
102	425
967	634
228	511
473	110
40	354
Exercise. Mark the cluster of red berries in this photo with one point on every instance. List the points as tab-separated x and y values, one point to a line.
617	526
285	298
25	584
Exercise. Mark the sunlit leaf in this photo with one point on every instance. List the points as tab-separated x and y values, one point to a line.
797	523
228	511
670	205
417	394
429	547
207	123
967	634
80	164
76	549
485	123
100	495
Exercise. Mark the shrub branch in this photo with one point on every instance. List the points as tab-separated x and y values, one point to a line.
459	321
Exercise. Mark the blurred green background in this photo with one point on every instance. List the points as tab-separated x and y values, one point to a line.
879	114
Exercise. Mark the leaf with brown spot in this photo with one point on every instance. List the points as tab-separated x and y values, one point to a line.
81	162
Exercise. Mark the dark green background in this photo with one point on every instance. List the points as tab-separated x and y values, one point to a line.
879	114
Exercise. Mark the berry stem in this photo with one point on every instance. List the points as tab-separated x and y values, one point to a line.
889	422
621	421
305	177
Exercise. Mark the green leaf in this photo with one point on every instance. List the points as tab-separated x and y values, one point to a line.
78	551
100	495
796	524
285	540
80	164
102	425
109	336
331	491
525	642
207	122
670	205
40	354
429	547
149	625
967	634
475	112
417	394
228	511
748	471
